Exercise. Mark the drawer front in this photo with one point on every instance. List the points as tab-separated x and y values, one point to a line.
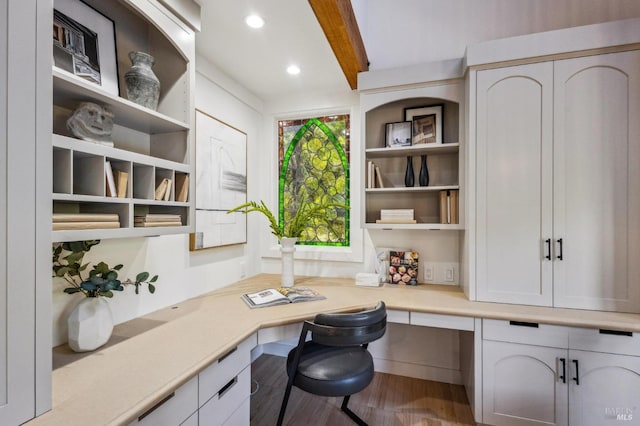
191	421
231	396
525	332
281	332
175	409
453	322
242	415
224	369
400	317
603	340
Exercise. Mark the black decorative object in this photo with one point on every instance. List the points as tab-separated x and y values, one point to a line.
423	177
408	175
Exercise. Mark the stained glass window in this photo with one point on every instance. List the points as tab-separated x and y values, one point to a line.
314	168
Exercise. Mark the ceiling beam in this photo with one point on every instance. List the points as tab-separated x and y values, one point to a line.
339	24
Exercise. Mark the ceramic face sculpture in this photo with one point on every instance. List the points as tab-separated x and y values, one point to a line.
91	122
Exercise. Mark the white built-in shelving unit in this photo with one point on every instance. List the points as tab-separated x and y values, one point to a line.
149	145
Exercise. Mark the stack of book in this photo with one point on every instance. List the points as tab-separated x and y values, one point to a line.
449	206
396	216
374	177
65	221
153	220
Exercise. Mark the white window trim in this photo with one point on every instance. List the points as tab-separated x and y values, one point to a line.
355	251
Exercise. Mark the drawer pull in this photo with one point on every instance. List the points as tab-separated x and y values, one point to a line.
226	387
524	324
577	377
155	407
616	332
227	354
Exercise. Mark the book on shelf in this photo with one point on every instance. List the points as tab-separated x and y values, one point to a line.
158	217
399	220
182	187
111	183
156	220
403	267
374	177
60	226
378	177
280	296
122	179
85	217
449	200
156	224
161	189
167	193
453	205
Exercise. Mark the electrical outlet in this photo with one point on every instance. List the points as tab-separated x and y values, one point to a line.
449	273
429	272
243	269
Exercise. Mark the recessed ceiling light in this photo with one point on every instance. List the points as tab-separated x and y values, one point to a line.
254	21
293	69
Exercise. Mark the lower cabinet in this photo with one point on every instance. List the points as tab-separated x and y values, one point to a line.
218	396
535	374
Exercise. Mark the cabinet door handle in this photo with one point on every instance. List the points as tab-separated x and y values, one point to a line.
548	243
560	246
563	376
577	377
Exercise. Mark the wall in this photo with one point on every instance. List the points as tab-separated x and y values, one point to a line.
183	274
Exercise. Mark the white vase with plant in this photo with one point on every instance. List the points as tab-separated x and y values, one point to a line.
91	323
289	233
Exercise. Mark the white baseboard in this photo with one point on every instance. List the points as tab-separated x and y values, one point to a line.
418	371
277	348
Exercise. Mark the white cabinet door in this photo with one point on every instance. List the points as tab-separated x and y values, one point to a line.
25	366
514	184
607	390
523	384
596	177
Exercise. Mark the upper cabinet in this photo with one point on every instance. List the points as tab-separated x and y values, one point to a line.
412	156
556	162
109	190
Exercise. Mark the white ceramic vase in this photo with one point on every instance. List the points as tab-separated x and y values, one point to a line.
287	248
90	324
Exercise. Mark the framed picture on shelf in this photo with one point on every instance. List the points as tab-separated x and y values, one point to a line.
221	183
398	134
426	123
84	44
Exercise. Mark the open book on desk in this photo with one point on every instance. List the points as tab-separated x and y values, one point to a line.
280	296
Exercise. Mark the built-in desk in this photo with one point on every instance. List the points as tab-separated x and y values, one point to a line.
148	358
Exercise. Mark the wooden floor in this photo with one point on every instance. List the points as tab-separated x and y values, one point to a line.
389	400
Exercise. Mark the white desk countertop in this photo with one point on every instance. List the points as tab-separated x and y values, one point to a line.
149	357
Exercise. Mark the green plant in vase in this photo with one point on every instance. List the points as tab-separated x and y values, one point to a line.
101	280
295	227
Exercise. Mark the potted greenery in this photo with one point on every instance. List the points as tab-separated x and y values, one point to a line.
289	232
91	323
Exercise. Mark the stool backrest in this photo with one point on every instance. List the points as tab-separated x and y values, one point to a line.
350	329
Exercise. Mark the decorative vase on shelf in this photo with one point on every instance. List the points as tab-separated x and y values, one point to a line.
423	176
408	174
90	324
143	87
287	248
